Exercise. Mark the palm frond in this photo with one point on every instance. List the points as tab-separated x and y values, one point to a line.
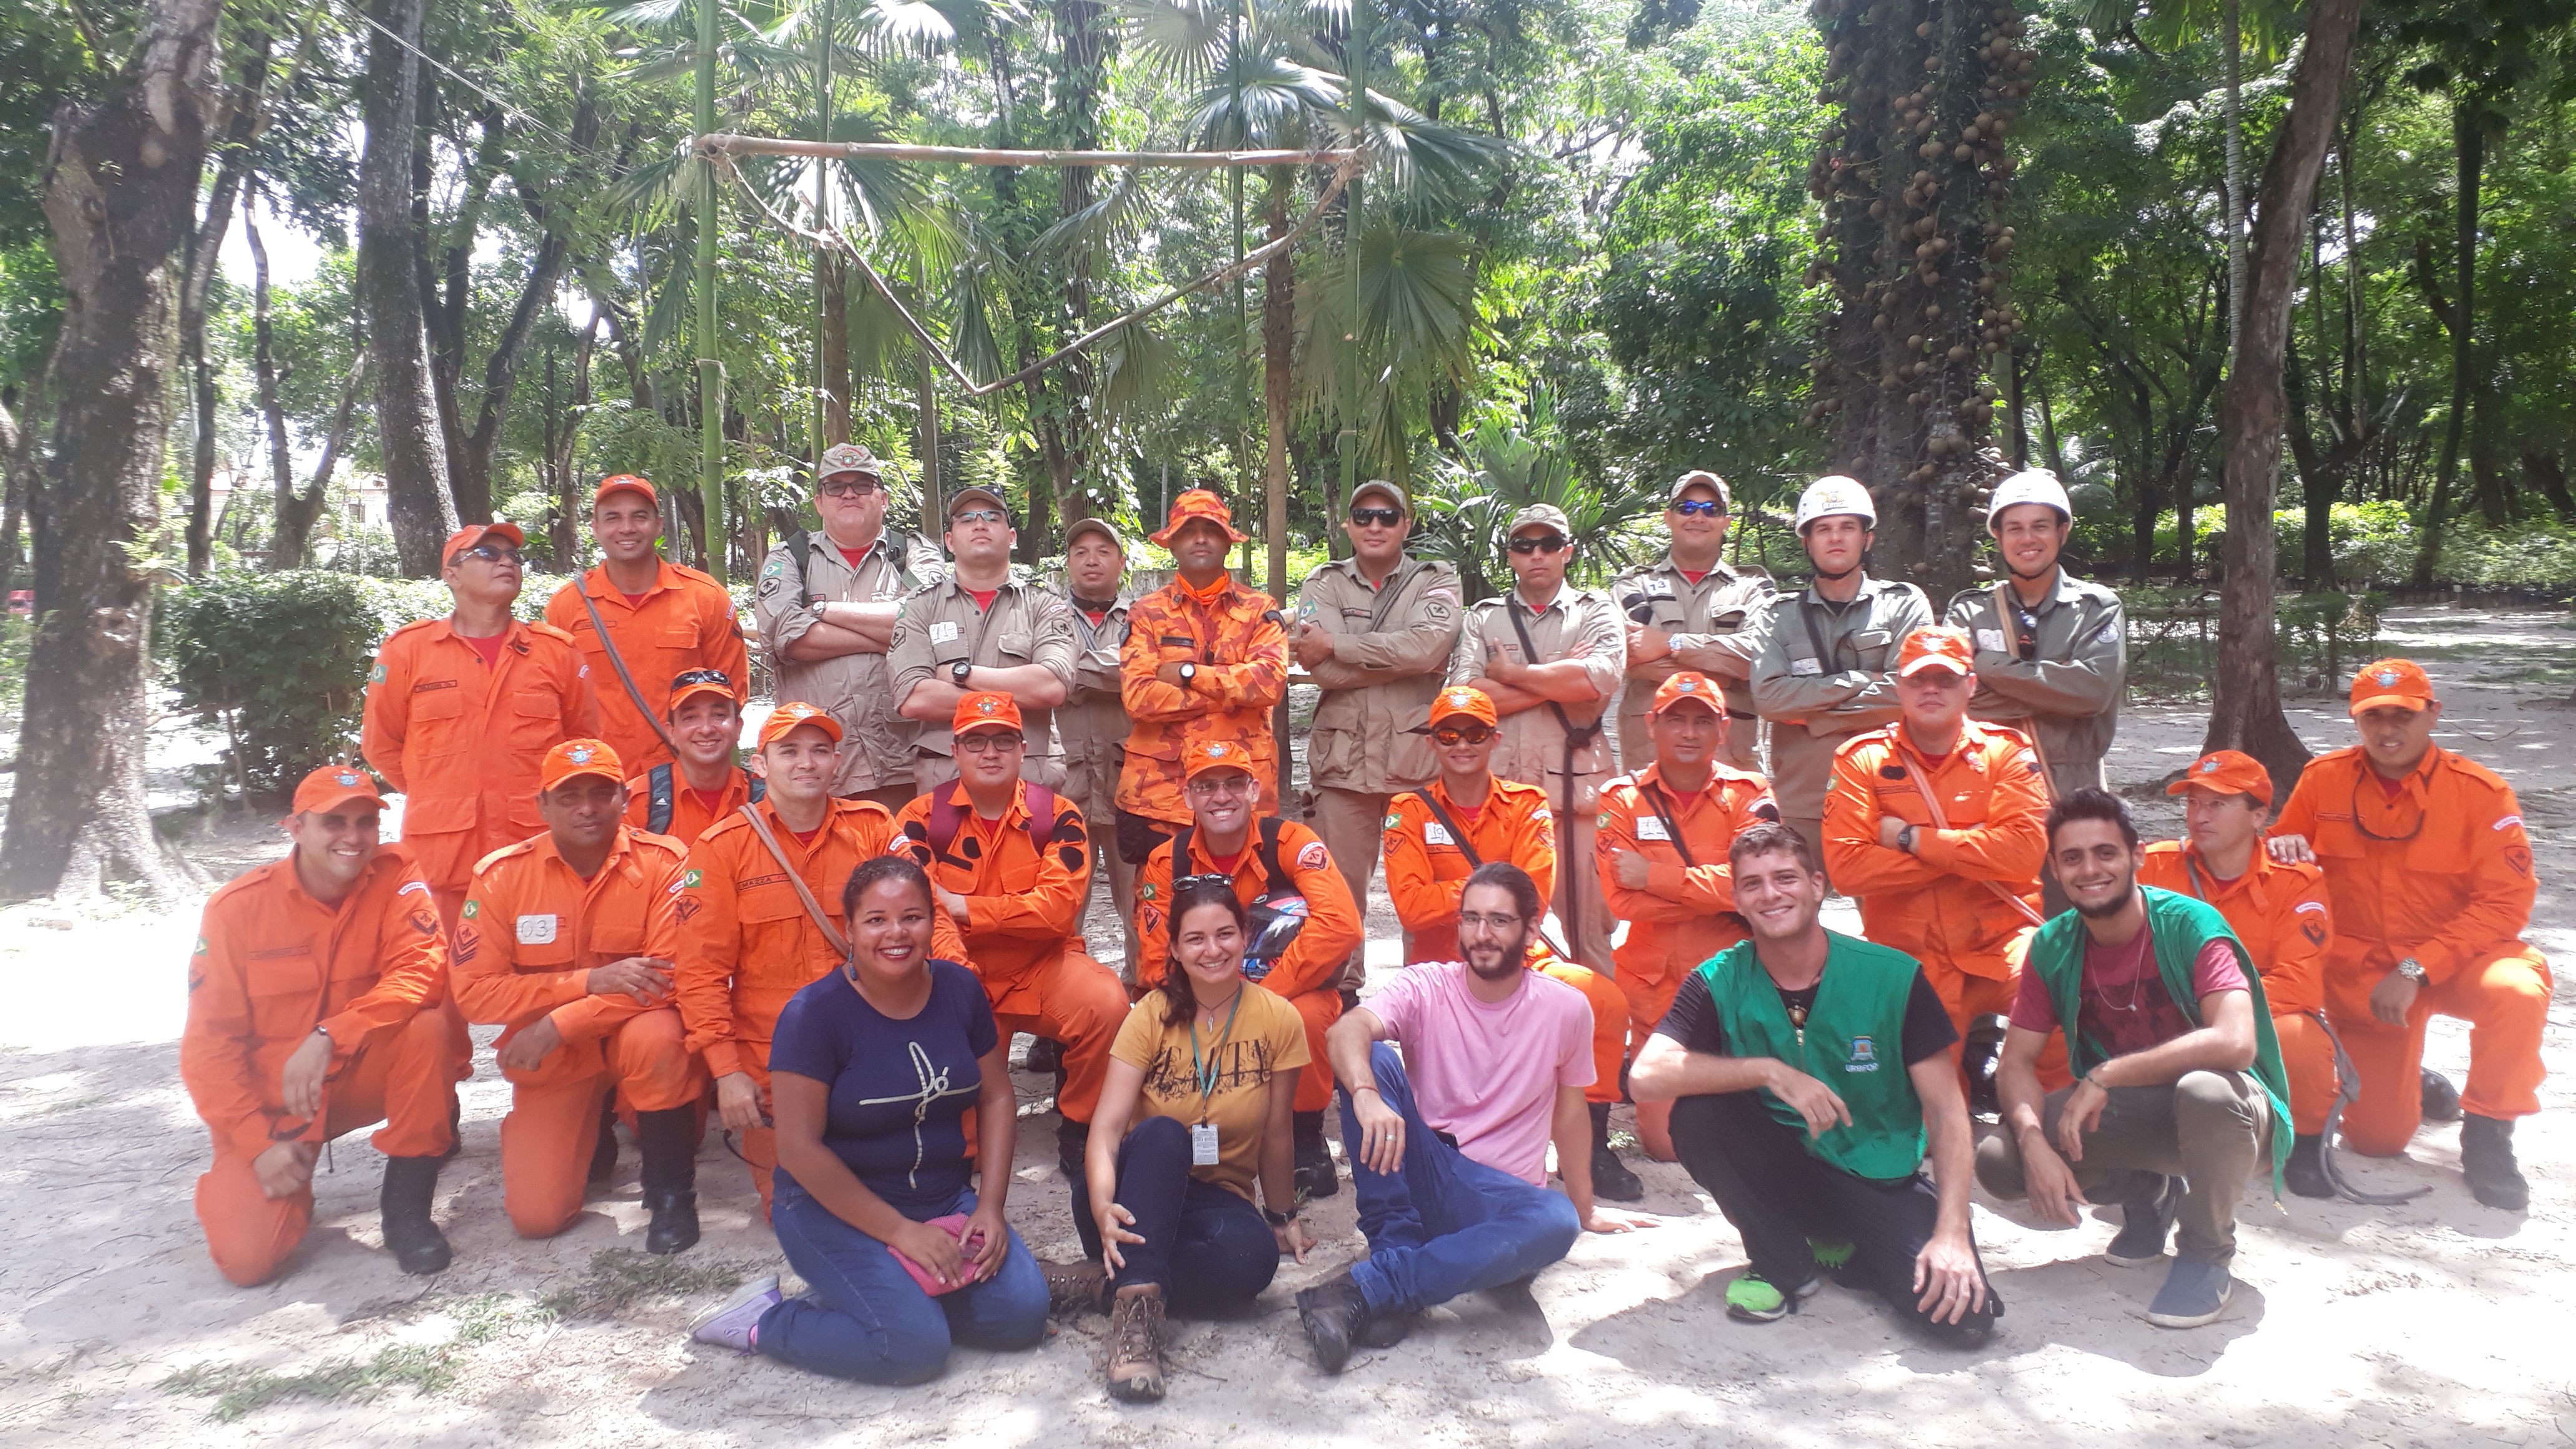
649	14
1134	366
1112	223
1267	100
1181	40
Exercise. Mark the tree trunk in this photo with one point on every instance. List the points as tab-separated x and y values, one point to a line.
292	537
2245	712
22	421
120	193
834	278
247	115
389	258
567	536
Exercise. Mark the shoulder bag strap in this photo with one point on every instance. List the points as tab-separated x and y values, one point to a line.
1457	837
1041	806
2008	623
813	907
1576	736
1663	811
1280	883
759	788
798	543
658	799
618	662
1386	597
946	818
1941	821
1825	658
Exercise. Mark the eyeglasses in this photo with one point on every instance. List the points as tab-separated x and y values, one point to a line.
688	677
1488	923
1545	543
1469	735
1700	508
1387	517
977	515
492	553
991	742
1229	783
851	488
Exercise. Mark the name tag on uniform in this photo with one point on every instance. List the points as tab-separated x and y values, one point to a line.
1203	1145
1435	833
1991	640
1806	666
537	930
1650	827
944	631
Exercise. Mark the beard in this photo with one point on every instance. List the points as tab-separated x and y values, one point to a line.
2118	902
1494	962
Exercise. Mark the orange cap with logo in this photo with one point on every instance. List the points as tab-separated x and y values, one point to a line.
1938	647
579	757
2229	773
793	715
474	533
2399	682
1464	699
335	785
1198	503
624	483
985	709
1689	684
1216	755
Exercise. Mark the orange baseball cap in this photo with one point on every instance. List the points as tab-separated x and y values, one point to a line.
1939	647
1199	503
1216	755
473	533
690	683
1463	699
985	709
624	483
2229	773
335	785
790	716
1690	685
580	757
2401	682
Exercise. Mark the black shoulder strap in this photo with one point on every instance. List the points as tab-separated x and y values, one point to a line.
797	545
1825	658
1457	837
1663	811
1575	738
1180	853
1279	882
657	791
759	788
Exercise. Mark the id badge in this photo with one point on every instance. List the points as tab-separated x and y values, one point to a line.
1203	1145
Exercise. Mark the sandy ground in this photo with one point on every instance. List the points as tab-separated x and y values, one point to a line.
2427	1324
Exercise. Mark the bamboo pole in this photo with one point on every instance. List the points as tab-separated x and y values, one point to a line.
731	145
710	368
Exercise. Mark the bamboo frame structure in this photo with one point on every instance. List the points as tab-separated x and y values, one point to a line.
731	145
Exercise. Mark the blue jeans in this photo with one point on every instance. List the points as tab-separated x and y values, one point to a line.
865	1318
1444	1224
1208	1248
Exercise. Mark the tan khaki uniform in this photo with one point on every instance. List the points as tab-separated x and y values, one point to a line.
1391	648
2068	695
876	746
1715	627
1091	729
1826	673
1578	624
942	624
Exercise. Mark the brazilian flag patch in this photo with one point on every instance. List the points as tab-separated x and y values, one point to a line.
202	947
689	881
1147	891
472	909
1394	821
376	675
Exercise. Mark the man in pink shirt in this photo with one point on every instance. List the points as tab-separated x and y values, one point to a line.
1448	1142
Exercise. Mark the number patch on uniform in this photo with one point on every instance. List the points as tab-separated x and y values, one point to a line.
537	930
1806	667
1650	828
1991	640
944	631
1435	833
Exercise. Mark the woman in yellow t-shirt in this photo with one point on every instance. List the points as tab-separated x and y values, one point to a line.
1206	1069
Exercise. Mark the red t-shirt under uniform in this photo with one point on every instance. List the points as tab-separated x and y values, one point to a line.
2122	1003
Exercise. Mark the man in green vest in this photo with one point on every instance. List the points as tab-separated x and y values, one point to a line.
1812	1069
2177	1072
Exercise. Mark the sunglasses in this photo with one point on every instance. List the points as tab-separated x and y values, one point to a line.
991	742
1385	517
1545	543
853	488
492	553
976	515
1469	735
1700	508
716	677
1204	878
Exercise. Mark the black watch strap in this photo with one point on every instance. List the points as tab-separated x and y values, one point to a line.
1276	1219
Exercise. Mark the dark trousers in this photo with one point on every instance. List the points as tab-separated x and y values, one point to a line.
1206	1247
1776	1193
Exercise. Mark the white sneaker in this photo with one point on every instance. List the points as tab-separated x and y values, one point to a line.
730	1324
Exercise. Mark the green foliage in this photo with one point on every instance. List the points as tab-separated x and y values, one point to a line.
423	1368
2173	639
1466	509
618	1277
281	661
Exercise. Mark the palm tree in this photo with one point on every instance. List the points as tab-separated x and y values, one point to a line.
1467	507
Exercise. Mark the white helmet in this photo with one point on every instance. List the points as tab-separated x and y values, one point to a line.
1833	495
2036	485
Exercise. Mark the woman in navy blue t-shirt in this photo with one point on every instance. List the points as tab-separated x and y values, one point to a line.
872	1071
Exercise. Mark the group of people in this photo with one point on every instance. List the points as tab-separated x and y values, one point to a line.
829	951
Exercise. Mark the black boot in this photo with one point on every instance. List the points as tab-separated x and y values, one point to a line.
603	1157
1979	1058
1315	1175
1335	1317
2305	1172
2441	1099
411	1235
1072	1146
1611	1179
2486	1160
667	1141
1045	1058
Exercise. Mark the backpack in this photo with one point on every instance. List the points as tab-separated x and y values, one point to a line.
948	816
1278	913
660	791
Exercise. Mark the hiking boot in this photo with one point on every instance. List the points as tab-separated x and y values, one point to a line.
667	1141
1335	1317
1075	1288
1752	1298
2145	1225
674	1228
1386	1330
1979	1058
1072	1145
2195	1292
1611	1179
2305	1172
1314	1176
410	1234
1045	1058
735	1323
2486	1160
1136	1344
2441	1099
603	1154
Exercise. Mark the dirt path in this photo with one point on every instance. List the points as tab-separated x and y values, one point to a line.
2436	1323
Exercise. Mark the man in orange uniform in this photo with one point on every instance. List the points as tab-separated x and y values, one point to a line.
1437	835
1661	848
2425	855
461	709
1010	862
681	797
750	938
1938	824
310	1015
641	611
1205	659
1284	875
2278	910
567	941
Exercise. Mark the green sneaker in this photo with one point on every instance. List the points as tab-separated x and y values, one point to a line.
1751	1298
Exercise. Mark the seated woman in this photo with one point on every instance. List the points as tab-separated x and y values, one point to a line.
1207	1065
872	1072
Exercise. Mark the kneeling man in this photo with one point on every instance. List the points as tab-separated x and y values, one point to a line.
1448	1143
1811	1140
2177	1072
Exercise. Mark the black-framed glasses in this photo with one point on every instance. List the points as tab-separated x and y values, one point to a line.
1700	508
990	742
1544	543
850	487
1468	735
1382	517
492	553
688	677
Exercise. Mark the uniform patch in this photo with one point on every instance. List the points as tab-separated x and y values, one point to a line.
1864	1055
686	907
2506	821
689	880
1435	833
776	567
407	887
1541	816
2107	634
425	922
1651	828
2315	931
1147	891
1891	772
376	675
1806	668
202	947
1393	822
2519	859
1766	809
943	631
472	909
1991	640
537	930
1314	856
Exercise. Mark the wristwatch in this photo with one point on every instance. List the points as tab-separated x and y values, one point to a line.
1189	672
958	671
1905	840
1277	1219
2412	970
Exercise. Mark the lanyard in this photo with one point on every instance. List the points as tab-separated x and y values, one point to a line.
1207	1072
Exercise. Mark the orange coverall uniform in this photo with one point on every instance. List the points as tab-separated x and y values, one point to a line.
1309	976
2442	873
2280	912
747	943
1426	873
271	964
531	932
1242	659
684	621
1685	913
463	741
1934	904
689	815
1024	931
